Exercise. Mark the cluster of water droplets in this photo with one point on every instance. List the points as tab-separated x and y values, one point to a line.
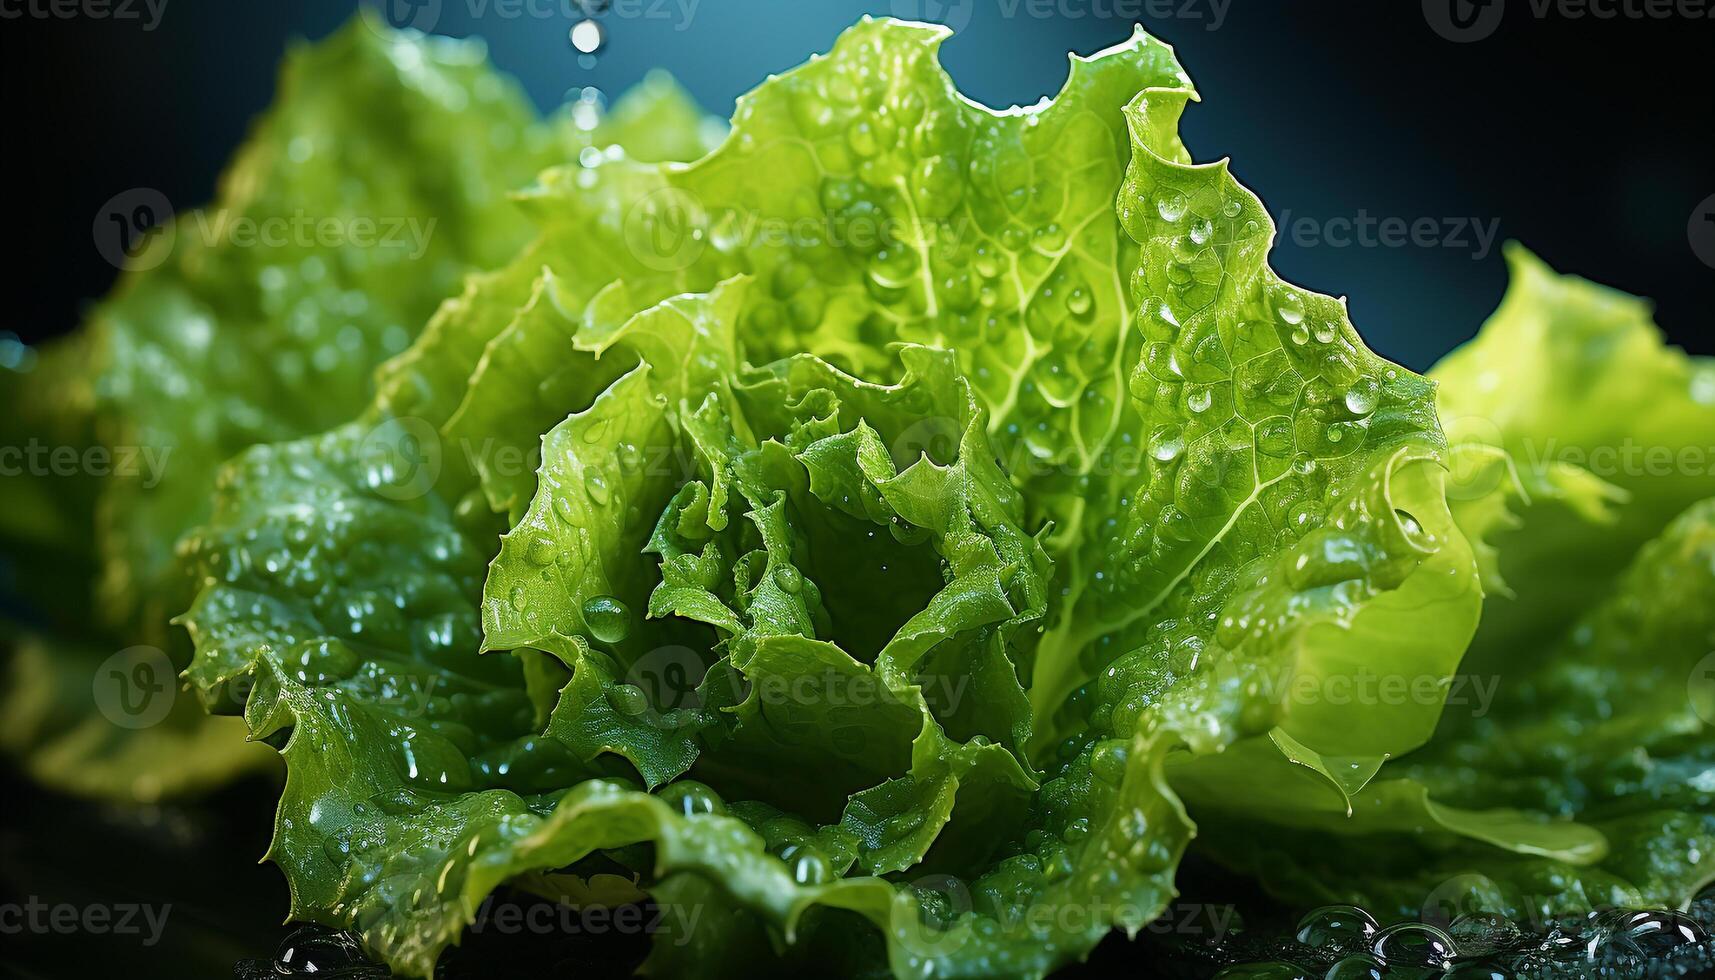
1344	942
1335	942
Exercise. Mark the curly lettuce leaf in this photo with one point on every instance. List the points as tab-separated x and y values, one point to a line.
230	342
1235	494
1600	774
1301	380
1608	429
865	237
335	649
1588	751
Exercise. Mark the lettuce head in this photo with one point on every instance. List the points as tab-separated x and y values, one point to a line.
898	532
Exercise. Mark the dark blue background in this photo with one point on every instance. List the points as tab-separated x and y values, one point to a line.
1589	140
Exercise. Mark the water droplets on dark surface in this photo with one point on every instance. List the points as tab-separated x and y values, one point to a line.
1335	923
1616	944
318	952
1343	943
1414	945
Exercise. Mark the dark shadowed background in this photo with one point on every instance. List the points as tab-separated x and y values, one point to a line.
1589	137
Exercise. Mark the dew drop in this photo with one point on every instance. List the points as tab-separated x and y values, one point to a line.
808	865
540	550
1412	527
1166	443
690	798
629	456
608	619
1171	205
1362	396
595	485
1080	302
1108	761
789	579
628	699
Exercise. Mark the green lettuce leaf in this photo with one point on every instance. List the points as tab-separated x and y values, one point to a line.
987	479
1608	429
1580	738
249	321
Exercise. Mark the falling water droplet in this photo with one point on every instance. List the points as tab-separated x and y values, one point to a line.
588	38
